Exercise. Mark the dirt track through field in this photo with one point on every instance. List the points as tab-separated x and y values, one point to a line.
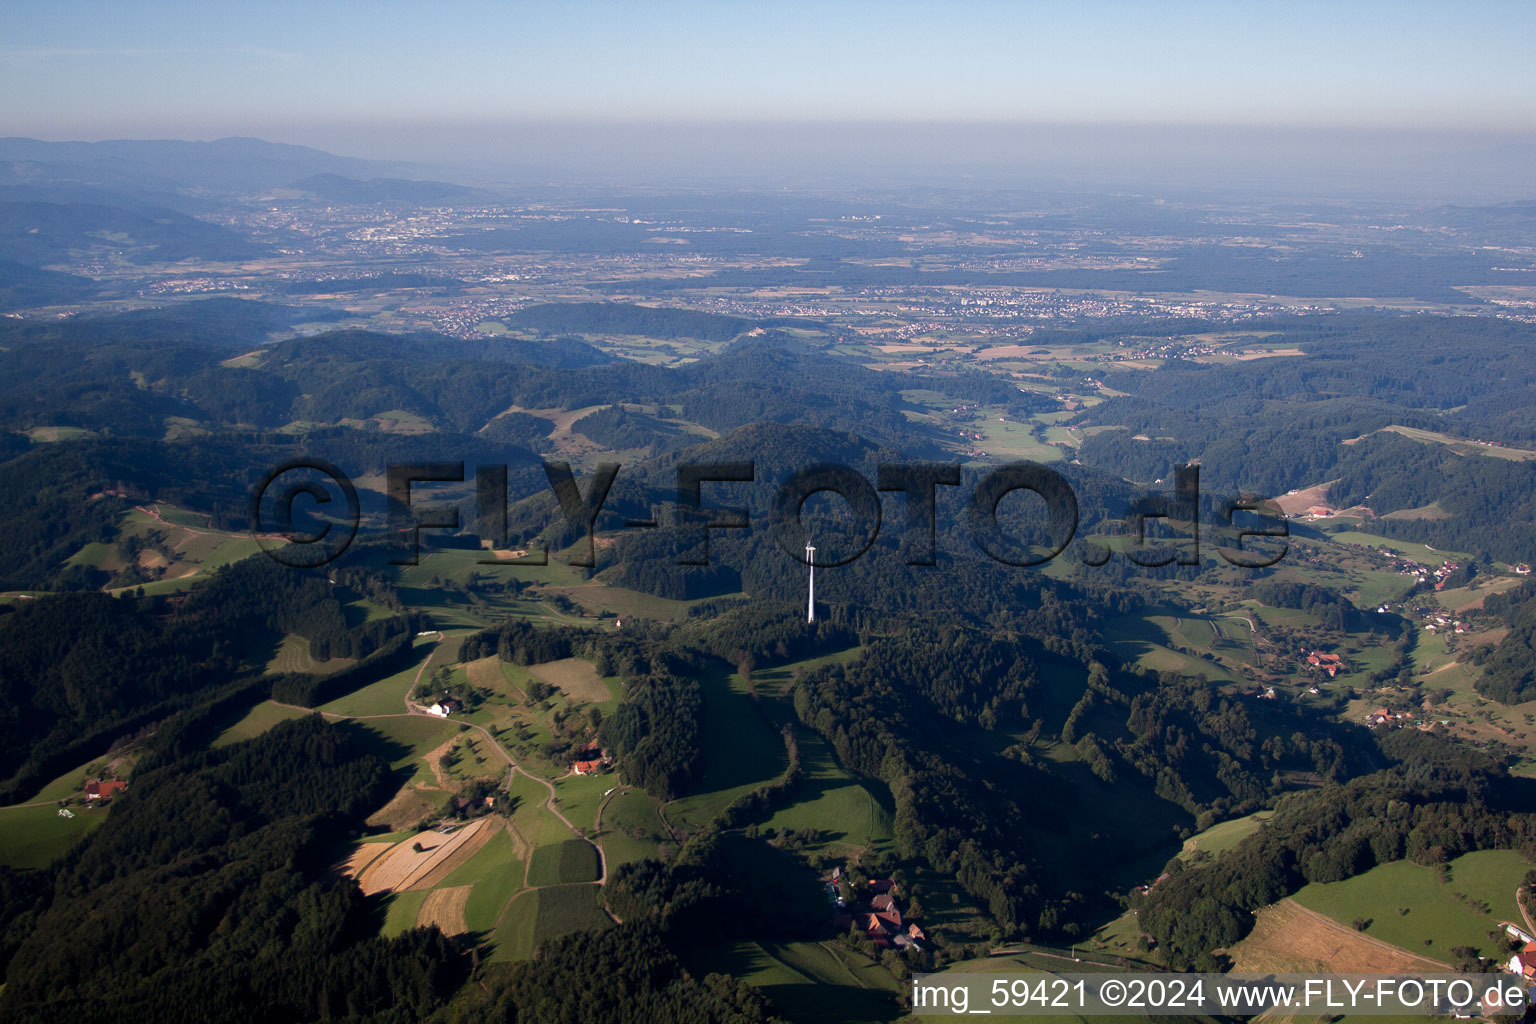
434	759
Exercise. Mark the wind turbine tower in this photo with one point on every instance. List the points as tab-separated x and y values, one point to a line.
810	598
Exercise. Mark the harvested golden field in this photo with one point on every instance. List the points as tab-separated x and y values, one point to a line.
459	855
361	856
405	866
1299	501
1289	938
445	908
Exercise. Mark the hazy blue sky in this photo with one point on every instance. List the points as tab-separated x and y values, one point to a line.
133	69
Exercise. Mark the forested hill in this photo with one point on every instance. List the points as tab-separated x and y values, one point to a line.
1437	801
1274	424
35	233
1278	422
129	374
205	896
84	669
22	286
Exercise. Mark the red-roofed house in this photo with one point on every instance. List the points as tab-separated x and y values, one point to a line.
96	789
877	930
1523	963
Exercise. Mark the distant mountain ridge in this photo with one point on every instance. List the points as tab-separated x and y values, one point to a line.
334	188
37	234
224	165
22	286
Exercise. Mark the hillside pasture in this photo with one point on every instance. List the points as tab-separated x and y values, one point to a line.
830	801
1223	836
740	751
818	983
293	656
631	828
578	796
1447	911
387	695
402	910
575	677
257	721
34	837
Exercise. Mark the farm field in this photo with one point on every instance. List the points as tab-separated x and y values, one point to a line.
293	656
1478	895
564	863
402	911
631	828
412	863
493	874
539	915
1418	552
513	937
577	678
1287	938
1010	439
444	909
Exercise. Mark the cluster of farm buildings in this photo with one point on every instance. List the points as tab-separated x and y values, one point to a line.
875	912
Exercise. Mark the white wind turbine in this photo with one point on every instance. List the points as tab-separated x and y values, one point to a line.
810	600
